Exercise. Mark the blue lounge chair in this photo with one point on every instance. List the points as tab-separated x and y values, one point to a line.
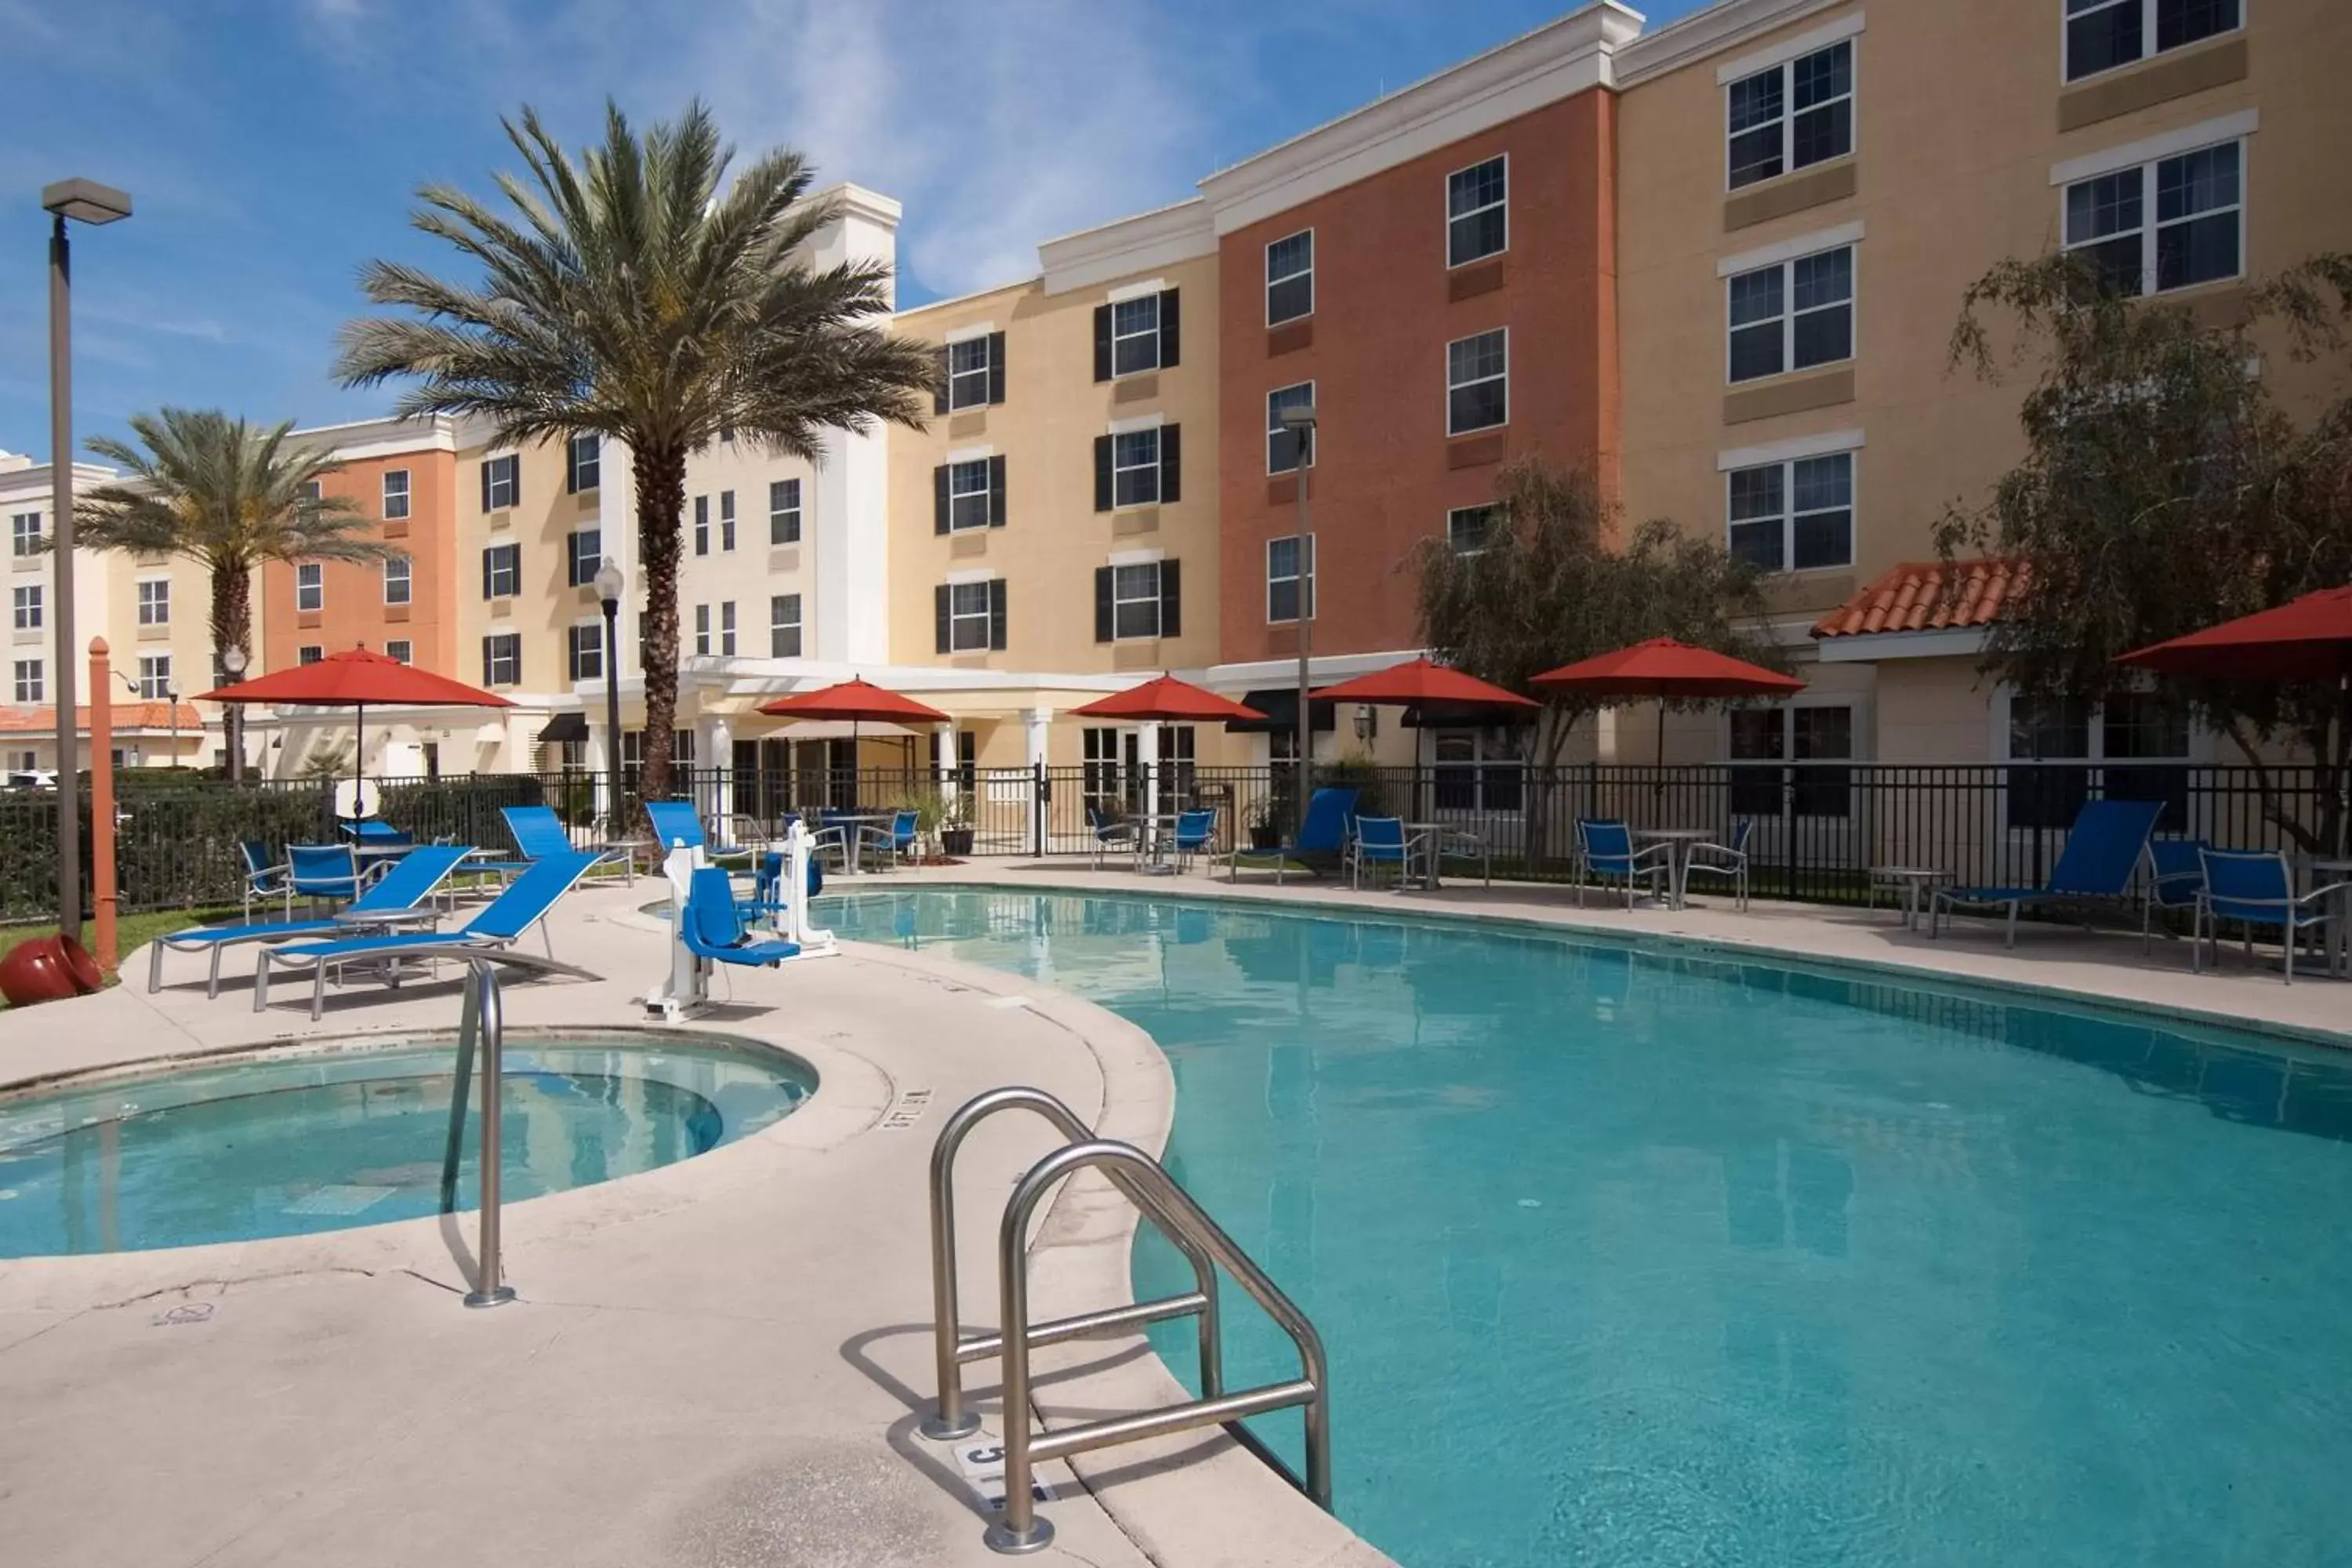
1195	832
402	894
2103	850
264	878
676	822
538	834
2258	889
1605	848
1110	832
2176	880
322	871
496	927
374	833
1728	861
1330	815
897	840
1381	841
712	927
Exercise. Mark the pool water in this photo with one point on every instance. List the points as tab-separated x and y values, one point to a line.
292	1143
1658	1256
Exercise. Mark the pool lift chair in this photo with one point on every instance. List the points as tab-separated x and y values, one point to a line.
707	930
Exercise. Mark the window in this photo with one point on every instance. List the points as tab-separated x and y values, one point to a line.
1282	447
1816	738
726	520
1141	599
155	602
726	629
396	495
30	685
501	571
968	493
501	482
400	650
585	654
1289	573
1101	779
583	464
968	372
702	525
702	629
2143	742
29	607
503	659
309	585
1477	216
1477	383
967	616
1135	468
155	677
1794	516
784	511
1468	529
25	533
397	579
1135	335
2103	34
1792	315
1290	278
583	551
1477	770
310	491
309	653
1792	115
785	626
2197	198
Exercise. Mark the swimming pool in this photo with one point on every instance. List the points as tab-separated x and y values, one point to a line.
290	1142
1656	1256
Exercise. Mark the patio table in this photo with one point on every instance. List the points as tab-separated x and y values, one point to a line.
1430	838
1917	883
850	838
1677	841
1154	839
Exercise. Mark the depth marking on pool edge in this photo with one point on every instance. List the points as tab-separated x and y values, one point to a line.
907	1110
983	1464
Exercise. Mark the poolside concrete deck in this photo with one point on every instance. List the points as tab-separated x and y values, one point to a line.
722	1361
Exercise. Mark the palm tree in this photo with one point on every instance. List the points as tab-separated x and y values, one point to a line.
226	495
630	297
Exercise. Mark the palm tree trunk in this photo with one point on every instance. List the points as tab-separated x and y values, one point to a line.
661	501
232	585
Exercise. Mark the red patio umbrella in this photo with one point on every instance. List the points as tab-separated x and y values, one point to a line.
2309	638
859	702
1665	669
357	679
1420	683
1168	699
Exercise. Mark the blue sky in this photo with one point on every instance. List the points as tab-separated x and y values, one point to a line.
272	145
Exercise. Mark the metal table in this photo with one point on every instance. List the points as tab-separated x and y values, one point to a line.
851	837
1677	841
1155	839
1432	835
1917	883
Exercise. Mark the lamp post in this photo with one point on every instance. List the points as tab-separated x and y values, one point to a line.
609	583
1299	420
232	663
83	201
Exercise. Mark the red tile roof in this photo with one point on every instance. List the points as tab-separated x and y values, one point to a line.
39	720
1928	596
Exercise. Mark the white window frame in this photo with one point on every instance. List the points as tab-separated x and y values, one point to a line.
396	498
505	560
1307	272
1787	268
32	679
583	555
957	615
509	646
1790	515
575	645
726	522
399	585
506	476
2150	226
2148	50
1787	71
1273	427
1503	376
592	464
1452	217
982	345
957	473
1142	571
25	541
702	525
2203	749
1117	337
777	624
401	650
1150	469
1452	534
309	587
155	677
31	607
702	631
309	653
154	601
1305	577
777	514
727	628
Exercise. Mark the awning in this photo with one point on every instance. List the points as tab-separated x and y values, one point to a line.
1280	706
568	726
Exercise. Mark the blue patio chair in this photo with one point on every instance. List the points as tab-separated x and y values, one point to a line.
2176	880
1110	832
538	833
1196	831
322	871
374	833
403	894
264	878
1728	861
897	840
1330	817
2103	850
1605	848
491	934
2257	888
712	926
677	822
1381	841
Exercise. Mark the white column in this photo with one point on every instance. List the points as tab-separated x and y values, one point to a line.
1035	723
1147	749
943	758
850	528
598	762
716	747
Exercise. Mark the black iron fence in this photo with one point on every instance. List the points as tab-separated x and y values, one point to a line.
1816	829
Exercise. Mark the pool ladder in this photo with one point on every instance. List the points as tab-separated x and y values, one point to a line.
1147	1184
481	1032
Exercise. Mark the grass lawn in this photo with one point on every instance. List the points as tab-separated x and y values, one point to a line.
131	932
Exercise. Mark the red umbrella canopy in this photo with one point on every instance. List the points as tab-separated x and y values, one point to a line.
858	702
1666	668
2309	638
357	677
1423	682
1168	698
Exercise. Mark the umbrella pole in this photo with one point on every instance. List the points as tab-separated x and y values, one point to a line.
359	757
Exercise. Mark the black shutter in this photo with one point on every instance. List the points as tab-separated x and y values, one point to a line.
571	467
996	614
485	580
939	499
1171	599
1172	464
486	477
1105	628
1102	343
485	661
996	492
939	388
939	616
1169	337
1102	473
996	367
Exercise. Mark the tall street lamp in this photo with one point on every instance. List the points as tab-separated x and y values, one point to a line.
232	663
84	201
1299	420
609	583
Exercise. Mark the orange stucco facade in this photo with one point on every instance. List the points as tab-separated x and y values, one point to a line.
359	599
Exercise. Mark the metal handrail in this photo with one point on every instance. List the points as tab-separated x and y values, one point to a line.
953	1420
481	1030
1143	1182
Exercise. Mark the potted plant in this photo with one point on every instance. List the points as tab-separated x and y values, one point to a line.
1266	824
955	826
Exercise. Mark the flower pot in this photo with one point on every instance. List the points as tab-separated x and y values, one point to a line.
47	969
955	842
